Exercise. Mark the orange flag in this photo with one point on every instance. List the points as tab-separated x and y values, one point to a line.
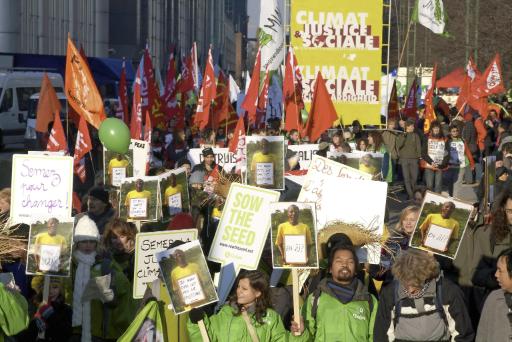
47	105
82	146
430	114
208	92
57	141
148	128
322	113
251	97
80	88
239	131
221	106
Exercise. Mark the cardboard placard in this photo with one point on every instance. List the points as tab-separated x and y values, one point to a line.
138	208
117	176
174	192
146	246
142	205
305	152
265	154
264	174
174	205
186	276
41	187
49	258
435	150
441	224
438	238
223	157
136	159
295	251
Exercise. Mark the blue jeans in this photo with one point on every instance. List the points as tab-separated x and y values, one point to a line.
452	178
433	180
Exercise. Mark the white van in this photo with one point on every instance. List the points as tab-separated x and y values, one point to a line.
16	87
31	141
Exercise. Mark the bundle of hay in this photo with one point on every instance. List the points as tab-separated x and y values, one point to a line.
358	234
11	245
224	183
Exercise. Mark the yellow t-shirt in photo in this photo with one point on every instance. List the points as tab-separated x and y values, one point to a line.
289	229
438	220
114	163
172	191
46	239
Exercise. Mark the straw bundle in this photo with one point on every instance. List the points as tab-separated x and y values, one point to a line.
11	246
224	183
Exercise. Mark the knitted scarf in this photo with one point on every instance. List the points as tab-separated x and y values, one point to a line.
82	311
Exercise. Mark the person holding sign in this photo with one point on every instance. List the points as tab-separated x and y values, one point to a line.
184	276
263	166
137	201
442	220
293	239
173	198
460	156
435	153
248	317
117	169
50	248
340	309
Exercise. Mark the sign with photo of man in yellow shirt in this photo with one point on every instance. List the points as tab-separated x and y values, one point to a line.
265	158
117	169
137	201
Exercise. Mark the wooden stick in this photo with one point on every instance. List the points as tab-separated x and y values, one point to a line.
204	332
46	289
296	306
405	44
138	224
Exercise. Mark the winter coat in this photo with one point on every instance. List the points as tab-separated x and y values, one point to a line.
13	312
58	325
389	139
409	146
226	326
414	325
335	321
494	324
110	320
453	161
469	135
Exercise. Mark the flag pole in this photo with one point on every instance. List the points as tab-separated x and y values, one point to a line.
405	44
92	164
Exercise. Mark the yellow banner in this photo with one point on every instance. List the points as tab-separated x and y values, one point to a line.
343	40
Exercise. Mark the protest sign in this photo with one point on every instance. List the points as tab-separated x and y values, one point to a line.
367	162
305	152
239	240
293	235
441	224
321	169
117	166
41	187
49	247
186	277
174	192
265	162
355	203
140	198
146	246
223	157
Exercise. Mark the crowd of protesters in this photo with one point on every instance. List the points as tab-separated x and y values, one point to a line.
411	296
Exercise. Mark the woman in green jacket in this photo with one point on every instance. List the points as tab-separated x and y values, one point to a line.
247	318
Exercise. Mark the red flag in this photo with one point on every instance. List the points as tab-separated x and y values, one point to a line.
208	92
491	81
47	105
82	146
410	104
239	131
430	114
122	107
57	141
251	97
465	91
261	110
80	88
169	97
147	129
150	94
292	93
221	105
186	81
136	120
322	113
393	107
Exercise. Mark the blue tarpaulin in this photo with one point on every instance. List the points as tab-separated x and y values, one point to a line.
105	70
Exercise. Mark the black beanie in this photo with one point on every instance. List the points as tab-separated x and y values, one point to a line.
100	194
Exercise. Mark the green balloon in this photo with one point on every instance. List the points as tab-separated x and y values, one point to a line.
114	135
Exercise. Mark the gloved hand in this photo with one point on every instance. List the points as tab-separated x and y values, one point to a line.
196	315
45	311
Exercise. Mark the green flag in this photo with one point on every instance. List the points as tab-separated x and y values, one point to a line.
431	14
149	325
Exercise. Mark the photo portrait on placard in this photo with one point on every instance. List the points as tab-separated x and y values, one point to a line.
49	247
441	224
116	167
367	162
140	199
265	162
174	193
186	277
293	235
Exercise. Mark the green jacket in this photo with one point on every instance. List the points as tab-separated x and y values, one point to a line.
110	320
338	322
13	312
225	326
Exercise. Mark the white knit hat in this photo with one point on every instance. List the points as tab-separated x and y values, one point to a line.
86	230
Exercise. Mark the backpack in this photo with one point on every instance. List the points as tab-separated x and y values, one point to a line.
316	296
438	301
